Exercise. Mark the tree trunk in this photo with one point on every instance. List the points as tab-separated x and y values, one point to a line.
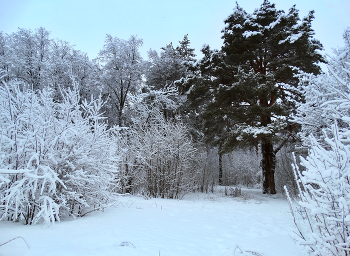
268	166
120	117
220	169
128	184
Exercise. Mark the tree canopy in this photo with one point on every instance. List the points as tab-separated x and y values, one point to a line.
248	90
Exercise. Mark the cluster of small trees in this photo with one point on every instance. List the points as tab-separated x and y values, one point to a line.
38	60
161	157
165	158
77	132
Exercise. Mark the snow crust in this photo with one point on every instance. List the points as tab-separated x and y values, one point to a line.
199	224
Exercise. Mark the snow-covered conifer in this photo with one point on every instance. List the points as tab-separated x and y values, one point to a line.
247	91
174	66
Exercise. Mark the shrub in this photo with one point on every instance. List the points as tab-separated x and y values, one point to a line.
56	159
324	189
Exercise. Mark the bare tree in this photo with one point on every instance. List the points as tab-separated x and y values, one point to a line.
122	69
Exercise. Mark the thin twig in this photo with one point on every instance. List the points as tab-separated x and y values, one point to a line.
15	239
97	209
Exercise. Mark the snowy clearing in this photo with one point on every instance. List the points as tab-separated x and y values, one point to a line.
199	224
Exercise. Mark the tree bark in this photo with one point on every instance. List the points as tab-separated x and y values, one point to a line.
128	184
120	117
268	166
221	183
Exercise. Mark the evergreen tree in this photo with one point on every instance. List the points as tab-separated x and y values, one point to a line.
172	70
172	66
249	88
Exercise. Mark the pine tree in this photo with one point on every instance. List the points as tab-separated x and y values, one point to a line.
249	88
172	66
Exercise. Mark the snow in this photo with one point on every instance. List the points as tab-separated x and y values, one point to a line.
292	38
247	34
199	224
237	26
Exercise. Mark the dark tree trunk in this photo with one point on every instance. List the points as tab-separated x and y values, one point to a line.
268	166
220	169
120	117
128	184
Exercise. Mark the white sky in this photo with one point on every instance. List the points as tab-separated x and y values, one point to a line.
84	23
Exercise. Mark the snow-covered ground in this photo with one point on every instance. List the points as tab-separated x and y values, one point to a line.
199	224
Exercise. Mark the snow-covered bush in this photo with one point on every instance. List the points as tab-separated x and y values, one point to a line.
284	174
161	152
324	185
86	155
324	189
326	96
208	171
56	159
165	160
241	167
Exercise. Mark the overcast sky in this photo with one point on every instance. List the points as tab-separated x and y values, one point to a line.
84	23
